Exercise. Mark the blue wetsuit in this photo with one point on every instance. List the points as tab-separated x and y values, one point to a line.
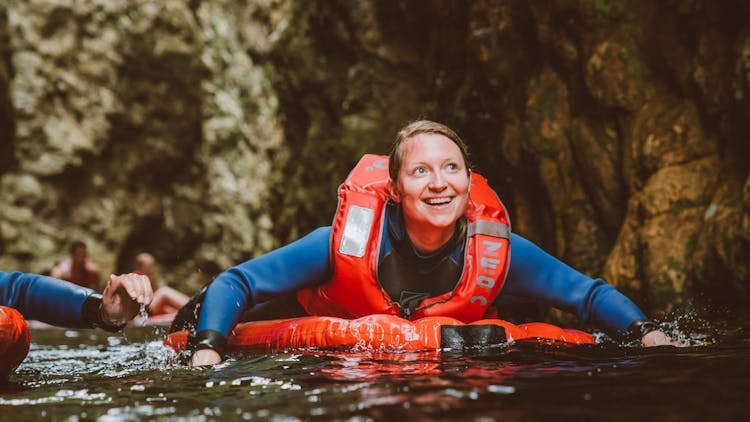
50	300
534	276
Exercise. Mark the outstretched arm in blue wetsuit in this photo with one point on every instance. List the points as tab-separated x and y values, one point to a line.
300	264
65	304
534	275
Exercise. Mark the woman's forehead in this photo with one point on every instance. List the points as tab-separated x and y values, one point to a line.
430	145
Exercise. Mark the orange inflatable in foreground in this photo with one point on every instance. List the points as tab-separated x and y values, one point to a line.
381	333
14	340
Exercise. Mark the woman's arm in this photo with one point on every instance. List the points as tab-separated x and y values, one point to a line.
300	264
537	276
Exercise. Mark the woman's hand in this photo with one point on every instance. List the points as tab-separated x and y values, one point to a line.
123	298
657	338
205	357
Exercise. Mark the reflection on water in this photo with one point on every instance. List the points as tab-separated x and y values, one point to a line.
85	374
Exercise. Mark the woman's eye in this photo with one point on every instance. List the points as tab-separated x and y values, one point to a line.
452	166
419	171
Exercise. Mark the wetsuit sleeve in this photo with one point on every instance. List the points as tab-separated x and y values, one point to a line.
300	264
535	275
45	298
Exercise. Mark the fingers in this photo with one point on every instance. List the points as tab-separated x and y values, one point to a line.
123	296
138	287
657	338
205	357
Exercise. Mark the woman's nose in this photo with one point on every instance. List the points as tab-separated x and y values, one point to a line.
438	181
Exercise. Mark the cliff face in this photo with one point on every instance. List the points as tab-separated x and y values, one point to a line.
138	126
207	132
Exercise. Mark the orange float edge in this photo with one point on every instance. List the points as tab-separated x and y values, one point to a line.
373	332
15	338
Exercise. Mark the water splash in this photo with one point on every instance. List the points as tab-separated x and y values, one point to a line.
143	314
692	325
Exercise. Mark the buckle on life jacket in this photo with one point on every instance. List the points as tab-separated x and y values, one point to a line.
408	301
471	336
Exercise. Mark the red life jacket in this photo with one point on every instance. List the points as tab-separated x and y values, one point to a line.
354	290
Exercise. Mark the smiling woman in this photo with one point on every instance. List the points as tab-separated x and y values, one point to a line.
446	287
427	238
432	186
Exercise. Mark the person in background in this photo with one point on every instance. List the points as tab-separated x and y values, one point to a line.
409	239
78	268
166	299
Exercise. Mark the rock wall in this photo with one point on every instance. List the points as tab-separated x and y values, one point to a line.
210	131
139	126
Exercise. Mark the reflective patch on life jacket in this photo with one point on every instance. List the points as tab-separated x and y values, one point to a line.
489	228
356	231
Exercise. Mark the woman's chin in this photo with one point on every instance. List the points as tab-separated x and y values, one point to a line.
441	223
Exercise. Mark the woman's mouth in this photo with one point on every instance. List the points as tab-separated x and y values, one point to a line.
438	201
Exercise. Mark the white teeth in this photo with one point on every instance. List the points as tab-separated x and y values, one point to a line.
438	201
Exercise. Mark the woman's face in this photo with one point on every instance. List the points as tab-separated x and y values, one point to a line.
433	183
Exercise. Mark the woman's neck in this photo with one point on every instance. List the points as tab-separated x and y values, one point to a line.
428	239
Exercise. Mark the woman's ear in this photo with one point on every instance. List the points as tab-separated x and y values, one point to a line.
393	191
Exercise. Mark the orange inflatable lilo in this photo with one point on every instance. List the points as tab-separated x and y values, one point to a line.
380	333
14	340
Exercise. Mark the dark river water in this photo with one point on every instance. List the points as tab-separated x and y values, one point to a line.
76	375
